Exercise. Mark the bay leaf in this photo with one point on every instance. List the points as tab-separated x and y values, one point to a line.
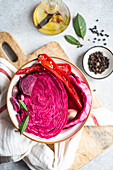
79	25
72	40
24	124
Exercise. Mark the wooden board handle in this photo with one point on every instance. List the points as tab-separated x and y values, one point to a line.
6	38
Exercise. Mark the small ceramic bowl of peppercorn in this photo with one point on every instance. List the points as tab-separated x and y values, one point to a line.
98	62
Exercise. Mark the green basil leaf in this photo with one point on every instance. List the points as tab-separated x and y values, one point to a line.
22	105
24	124
79	25
72	40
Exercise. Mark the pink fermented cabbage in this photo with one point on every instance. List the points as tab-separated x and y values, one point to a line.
86	98
47	103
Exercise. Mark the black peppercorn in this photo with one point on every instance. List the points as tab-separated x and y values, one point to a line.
95	27
106	35
101	34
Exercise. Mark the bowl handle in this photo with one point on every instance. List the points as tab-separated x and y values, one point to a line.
6	38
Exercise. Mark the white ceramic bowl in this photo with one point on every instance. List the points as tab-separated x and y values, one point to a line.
64	134
107	53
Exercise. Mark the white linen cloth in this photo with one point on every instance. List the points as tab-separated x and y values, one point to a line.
14	147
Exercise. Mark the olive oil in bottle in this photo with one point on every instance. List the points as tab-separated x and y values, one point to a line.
51	17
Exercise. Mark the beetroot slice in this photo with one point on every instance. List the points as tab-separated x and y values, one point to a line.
27	83
15	104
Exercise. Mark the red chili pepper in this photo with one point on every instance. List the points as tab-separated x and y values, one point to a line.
49	64
34	67
37	67
65	67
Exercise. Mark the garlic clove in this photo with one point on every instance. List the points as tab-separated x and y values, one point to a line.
72	114
15	91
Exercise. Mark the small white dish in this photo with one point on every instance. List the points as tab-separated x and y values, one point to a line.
107	53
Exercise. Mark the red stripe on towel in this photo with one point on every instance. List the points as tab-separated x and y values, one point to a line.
3	108
4	72
94	119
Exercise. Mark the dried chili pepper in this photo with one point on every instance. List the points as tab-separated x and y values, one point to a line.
49	64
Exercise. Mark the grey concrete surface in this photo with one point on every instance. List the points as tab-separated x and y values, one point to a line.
14	166
16	18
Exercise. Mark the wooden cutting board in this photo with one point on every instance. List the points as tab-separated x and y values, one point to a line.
94	140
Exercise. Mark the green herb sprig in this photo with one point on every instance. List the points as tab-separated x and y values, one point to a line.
25	121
